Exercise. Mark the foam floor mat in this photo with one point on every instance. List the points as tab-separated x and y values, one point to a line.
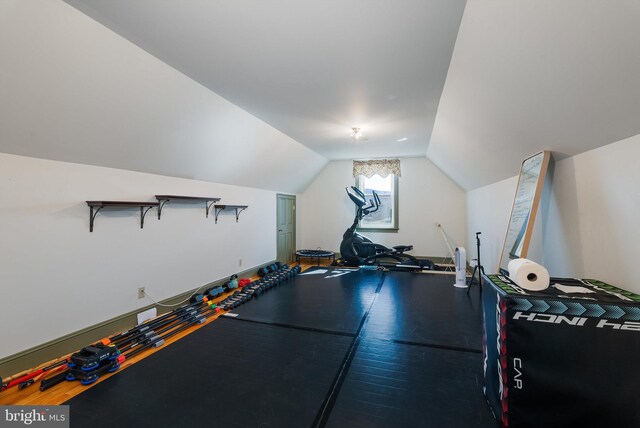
227	373
427	309
333	301
396	385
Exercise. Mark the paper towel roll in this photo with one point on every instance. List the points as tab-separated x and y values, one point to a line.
528	275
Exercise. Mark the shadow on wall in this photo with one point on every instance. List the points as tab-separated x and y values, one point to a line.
562	252
542	232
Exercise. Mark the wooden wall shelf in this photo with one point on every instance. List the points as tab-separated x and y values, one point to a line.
163	199
238	208
96	206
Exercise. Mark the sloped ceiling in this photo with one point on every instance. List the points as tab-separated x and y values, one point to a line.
532	75
311	69
72	90
524	76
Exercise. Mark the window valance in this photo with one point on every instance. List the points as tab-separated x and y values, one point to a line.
382	167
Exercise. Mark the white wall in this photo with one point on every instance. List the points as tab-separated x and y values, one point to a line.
73	90
56	277
488	210
591	227
426	197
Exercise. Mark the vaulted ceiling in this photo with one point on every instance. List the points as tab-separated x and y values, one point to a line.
528	75
312	69
476	86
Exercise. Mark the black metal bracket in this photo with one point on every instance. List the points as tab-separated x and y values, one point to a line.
92	216
217	211
238	211
98	205
209	205
142	214
163	199
220	208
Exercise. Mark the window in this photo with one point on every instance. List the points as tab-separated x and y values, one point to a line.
386	217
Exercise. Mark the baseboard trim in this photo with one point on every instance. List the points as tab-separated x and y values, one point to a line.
439	260
71	342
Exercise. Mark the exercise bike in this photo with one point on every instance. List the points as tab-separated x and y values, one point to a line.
359	250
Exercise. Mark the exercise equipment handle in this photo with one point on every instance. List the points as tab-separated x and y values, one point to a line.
359	198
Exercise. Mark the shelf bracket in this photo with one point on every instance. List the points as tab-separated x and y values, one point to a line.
216	212
238	211
219	208
96	206
160	207
163	199
209	205
143	213
92	216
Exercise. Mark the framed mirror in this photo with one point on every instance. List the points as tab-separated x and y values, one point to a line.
525	207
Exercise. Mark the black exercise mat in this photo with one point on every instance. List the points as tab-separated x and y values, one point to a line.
396	385
228	373
427	309
318	301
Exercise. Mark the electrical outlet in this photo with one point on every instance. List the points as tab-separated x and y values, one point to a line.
141	293
239	262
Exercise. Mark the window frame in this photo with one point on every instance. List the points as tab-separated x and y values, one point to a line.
393	228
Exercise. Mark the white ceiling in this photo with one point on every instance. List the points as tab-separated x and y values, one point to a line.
311	69
526	75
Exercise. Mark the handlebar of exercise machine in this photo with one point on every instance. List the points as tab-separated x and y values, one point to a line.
360	200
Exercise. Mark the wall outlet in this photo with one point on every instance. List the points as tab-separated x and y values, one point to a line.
141	293
239	262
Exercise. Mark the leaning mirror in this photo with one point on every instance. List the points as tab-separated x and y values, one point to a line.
525	206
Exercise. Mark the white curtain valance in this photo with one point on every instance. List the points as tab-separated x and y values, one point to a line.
382	167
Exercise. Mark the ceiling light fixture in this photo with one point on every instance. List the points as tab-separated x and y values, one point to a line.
357	135
402	139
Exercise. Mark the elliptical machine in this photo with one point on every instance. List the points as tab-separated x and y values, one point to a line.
358	249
